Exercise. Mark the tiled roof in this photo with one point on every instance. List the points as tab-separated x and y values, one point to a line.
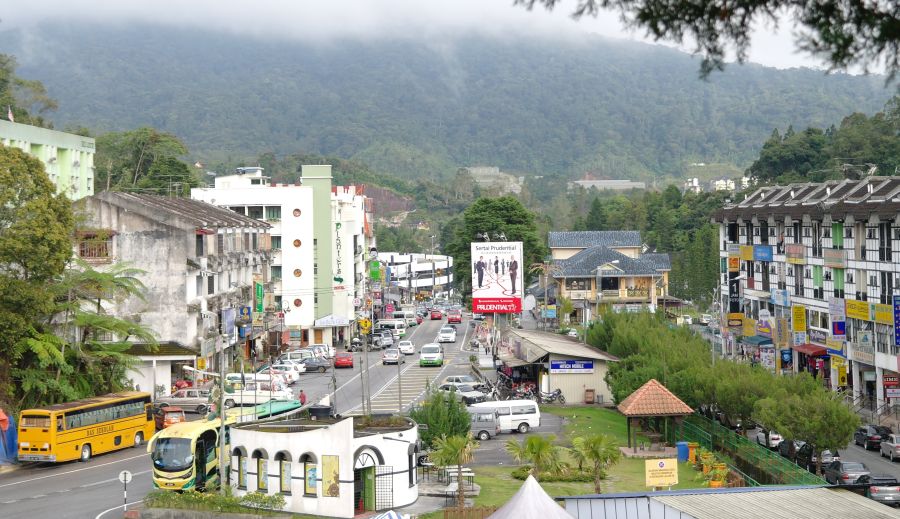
584	239
164	349
585	263
659	260
186	211
653	399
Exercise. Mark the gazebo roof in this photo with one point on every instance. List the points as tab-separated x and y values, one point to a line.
653	399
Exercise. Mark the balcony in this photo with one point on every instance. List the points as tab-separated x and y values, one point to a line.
579	295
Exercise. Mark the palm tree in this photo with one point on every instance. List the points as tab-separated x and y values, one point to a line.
540	452
455	450
600	451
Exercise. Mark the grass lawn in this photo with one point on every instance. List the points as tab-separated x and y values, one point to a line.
590	420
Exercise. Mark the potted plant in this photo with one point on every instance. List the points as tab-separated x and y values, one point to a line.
717	475
707	460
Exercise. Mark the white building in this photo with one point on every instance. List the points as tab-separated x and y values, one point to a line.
419	274
319	235
692	185
328	467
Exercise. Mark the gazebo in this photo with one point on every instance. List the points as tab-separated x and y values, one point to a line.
652	400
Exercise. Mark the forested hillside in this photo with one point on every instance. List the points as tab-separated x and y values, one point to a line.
404	106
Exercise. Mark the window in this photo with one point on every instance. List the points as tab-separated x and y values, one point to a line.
276	242
211	284
255	240
241	463
523	409
199	286
276	273
198	246
262	472
220	243
246	241
95	245
255	212
273	212
105	413
239	209
284	472
310	474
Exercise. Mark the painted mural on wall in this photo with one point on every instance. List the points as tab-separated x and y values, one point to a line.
331	476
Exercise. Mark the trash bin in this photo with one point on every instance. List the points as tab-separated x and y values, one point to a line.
692	451
683	451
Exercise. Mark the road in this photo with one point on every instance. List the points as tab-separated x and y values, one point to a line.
86	490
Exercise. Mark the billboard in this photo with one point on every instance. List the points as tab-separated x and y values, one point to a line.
497	277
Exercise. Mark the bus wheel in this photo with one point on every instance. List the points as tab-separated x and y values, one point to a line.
85	452
138	439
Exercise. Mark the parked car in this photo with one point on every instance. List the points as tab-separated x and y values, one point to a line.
789	448
343	360
770	439
299	354
446	334
431	355
808	460
419	319
844	472
391	356
485	423
688	320
467	393
572	332
320	365
406	347
454	316
168	415
869	436
298	366
290	373
463	379
705	319
890	446
882	488
196	400
324	350
436	315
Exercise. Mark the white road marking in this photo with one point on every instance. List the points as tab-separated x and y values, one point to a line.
101	514
72	471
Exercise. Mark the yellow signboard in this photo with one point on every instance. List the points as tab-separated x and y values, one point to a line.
749	327
735	320
884	314
734	264
201	363
661	473
858	309
747	252
798	315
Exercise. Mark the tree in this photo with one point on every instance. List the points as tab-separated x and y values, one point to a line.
845	34
26	98
36	226
598	450
444	415
565	307
145	157
455	450
539	452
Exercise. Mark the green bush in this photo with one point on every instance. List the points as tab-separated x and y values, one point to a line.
570	476
215	502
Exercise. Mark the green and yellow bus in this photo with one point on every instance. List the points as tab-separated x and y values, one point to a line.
80	429
185	455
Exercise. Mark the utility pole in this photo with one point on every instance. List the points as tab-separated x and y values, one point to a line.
222	469
399	385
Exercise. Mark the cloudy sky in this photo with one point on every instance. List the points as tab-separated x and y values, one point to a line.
325	19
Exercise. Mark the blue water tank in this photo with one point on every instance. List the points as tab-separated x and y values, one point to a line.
683	451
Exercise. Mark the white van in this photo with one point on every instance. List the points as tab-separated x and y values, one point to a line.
407	316
396	326
297	355
515	415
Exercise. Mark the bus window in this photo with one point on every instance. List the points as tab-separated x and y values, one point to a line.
59	423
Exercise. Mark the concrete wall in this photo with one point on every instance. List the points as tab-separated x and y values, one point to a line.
574	384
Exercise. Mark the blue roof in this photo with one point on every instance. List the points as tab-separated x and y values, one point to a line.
584	264
584	239
692	491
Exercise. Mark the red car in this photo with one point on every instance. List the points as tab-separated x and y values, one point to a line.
343	360
436	315
419	319
454	317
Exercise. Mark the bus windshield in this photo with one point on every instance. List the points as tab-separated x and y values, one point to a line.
172	454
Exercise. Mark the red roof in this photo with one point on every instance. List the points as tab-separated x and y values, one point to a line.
653	399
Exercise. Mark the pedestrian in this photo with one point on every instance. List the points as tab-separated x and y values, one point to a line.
302	397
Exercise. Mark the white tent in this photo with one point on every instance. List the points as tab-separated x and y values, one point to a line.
530	502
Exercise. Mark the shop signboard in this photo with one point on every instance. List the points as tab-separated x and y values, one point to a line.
863	351
882	314
836	348
661	473
734	292
735	320
780	297
835	258
747	252
749	327
818	336
764	328
571	366
890	380
767	357
782	334
787	358
897	320
892	392
795	253
836	310
497	273
799	338
734	264
762	253
798	314
857	309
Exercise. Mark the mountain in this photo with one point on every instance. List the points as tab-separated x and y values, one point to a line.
422	108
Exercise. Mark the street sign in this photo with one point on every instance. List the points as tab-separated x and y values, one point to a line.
389	308
125	476
661	473
356	302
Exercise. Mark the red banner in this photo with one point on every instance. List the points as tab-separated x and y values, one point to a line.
499	305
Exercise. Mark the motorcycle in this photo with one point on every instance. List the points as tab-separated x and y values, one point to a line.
549	398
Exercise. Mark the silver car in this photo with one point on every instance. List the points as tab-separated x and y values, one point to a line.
189	399
845	472
882	488
890	446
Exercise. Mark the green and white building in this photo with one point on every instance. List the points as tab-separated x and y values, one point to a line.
68	158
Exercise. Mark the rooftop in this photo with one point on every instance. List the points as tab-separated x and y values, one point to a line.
362	425
183	211
163	349
584	239
653	399
585	263
555	343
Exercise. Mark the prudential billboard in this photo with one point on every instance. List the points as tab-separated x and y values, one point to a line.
497	277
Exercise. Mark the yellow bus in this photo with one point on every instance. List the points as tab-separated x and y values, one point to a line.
186	455
78	430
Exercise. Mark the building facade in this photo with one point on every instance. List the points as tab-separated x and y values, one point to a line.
808	276
419	275
68	158
320	236
200	265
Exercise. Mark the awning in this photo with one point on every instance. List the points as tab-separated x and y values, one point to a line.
331	320
515	363
811	349
757	340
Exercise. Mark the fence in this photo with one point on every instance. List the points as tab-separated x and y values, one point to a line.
477	512
757	464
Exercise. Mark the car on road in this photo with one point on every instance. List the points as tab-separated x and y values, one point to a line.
319	365
485	423
168	415
572	332
806	459
446	334
477	316
463	379
844	472
705	319
431	355
890	446
407	347
870	436
191	400
385	339
454	316
688	320
436	315
419	319
255	393
883	488
392	356
770	439
465	392
343	360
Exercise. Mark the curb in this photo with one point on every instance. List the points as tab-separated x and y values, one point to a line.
5	469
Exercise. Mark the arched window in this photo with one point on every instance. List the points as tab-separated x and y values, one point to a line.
310	474
262	471
411	453
284	471
239	464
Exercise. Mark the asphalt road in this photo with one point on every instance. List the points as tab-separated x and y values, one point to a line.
92	489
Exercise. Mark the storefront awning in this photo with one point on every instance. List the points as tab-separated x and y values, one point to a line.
330	321
811	349
757	340
515	363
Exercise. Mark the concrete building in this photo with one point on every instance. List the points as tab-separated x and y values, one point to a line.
419	274
489	177
200	263
809	273
328	467
68	158
692	185
320	236
612	185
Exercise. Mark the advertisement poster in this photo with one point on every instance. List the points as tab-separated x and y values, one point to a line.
798	313
497	273
310	479
331	476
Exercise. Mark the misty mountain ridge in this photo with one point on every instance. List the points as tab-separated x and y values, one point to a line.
619	109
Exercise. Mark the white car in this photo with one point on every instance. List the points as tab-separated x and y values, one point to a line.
256	393
446	334
325	350
465	392
407	348
688	320
298	366
774	438
289	371
431	355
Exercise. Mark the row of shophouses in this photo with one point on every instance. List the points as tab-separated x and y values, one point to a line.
810	281
246	267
